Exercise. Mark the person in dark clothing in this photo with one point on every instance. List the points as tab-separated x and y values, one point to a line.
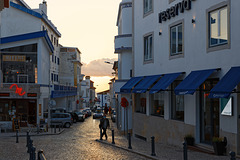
104	124
105	109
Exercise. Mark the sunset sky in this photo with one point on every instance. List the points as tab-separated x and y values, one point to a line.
89	25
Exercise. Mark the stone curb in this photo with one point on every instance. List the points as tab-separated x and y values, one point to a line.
35	134
129	150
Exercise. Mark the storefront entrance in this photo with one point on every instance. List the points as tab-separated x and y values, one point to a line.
209	113
24	110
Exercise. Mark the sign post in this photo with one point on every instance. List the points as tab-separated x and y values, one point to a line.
124	103
16	127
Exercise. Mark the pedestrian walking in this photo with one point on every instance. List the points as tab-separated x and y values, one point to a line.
105	109
104	124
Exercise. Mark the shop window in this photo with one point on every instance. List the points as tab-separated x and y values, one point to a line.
177	104
148	7
19	64
148	47
218	27
176	40
157	104
140	102
4	111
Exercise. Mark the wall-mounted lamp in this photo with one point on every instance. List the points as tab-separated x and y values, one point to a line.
193	20
160	32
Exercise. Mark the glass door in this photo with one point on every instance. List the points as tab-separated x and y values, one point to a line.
209	113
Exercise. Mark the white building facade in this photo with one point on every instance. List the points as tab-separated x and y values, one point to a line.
185	71
123	47
25	63
87	93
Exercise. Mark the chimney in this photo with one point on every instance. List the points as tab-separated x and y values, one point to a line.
43	7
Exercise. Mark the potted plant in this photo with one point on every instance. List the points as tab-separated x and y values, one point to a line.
189	139
219	145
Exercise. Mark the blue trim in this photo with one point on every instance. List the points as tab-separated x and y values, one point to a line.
36	14
123	35
59	94
121	49
29	11
28	36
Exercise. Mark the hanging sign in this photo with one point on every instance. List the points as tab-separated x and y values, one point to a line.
124	102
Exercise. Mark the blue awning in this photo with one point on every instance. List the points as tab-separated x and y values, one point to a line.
145	84
192	82
225	86
164	82
126	88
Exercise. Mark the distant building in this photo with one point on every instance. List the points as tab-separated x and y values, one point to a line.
104	98
88	92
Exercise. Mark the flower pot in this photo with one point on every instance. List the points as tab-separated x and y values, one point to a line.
219	148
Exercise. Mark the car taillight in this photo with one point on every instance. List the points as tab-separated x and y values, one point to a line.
72	119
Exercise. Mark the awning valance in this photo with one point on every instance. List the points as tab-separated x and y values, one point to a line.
226	85
126	88
145	84
164	82
193	81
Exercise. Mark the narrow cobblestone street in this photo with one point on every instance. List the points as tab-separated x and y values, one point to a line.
77	142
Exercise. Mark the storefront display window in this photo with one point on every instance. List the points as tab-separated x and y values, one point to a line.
141	102
19	64
177	104
24	110
157	104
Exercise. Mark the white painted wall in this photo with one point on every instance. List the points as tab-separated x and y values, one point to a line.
195	52
14	22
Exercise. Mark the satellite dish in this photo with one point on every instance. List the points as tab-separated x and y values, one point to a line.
52	102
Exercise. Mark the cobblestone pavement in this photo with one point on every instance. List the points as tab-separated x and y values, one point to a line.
75	143
81	141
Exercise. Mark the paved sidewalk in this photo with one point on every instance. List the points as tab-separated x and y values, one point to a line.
162	151
23	132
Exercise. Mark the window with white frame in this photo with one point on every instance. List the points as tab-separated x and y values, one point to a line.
176	33
147	6
218	27
148	47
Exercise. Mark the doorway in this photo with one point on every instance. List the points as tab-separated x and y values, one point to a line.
209	113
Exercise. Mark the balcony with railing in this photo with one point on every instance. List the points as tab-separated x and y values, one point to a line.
123	43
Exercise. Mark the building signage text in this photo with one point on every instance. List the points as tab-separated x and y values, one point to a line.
14	58
174	10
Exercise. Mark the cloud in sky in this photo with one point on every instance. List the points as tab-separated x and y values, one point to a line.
98	67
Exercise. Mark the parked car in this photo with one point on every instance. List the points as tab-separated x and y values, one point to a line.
89	112
74	116
84	112
62	118
98	113
113	116
81	116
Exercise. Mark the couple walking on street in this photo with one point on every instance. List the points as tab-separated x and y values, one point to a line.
104	124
